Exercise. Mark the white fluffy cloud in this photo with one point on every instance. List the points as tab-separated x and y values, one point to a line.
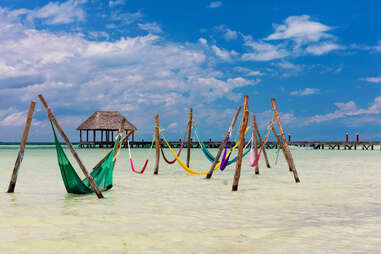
114	3
300	28
215	4
262	51
298	35
138	76
152	27
322	48
58	13
369	79
348	109
304	92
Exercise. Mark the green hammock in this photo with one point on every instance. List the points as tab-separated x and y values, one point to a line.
210	156
101	173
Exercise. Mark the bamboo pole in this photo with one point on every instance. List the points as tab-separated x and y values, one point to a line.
189	136
157	145
67	141
281	146
20	155
286	148
253	124
245	118
260	142
222	146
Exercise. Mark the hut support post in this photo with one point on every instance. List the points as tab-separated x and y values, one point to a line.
75	155
260	142
245	118
286	148
157	145
189	136
12	183
253	124
222	146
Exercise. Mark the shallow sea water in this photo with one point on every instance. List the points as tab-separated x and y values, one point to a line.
335	209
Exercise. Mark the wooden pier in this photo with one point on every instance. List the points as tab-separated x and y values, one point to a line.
313	145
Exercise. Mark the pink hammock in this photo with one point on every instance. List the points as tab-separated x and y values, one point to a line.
132	162
254	163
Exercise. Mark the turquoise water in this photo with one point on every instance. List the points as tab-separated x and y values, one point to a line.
335	209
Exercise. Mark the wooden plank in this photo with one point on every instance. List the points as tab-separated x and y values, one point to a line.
20	155
68	143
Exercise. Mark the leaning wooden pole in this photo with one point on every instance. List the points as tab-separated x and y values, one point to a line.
68	143
253	124
222	146
157	145
284	141
20	155
281	146
260	142
245	119
189	136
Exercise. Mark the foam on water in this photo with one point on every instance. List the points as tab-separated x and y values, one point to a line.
335	209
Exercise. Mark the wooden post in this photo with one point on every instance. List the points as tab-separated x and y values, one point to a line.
264	149
80	136
253	123
75	155
20	155
281	146
245	118
87	136
346	137
189	136
222	145
94	136
289	138
286	148
357	137
157	145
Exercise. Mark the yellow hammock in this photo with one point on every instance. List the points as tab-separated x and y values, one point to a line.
182	164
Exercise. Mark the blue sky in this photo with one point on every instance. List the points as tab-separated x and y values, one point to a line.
320	60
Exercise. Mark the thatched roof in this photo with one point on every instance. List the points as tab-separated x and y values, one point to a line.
105	120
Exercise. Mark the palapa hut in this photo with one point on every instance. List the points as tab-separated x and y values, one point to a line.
104	123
